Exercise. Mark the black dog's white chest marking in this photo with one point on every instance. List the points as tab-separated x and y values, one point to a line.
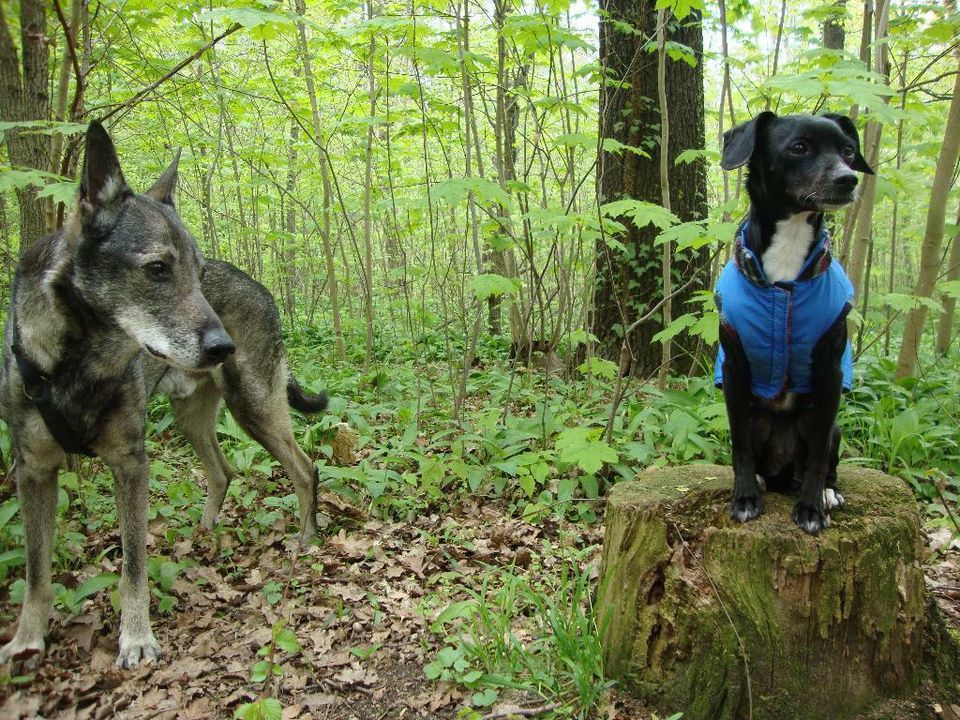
791	242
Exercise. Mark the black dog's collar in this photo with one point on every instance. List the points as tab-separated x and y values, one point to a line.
37	388
752	267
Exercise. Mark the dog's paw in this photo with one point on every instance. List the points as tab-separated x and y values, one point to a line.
209	520
25	655
135	651
832	499
809	518
746	508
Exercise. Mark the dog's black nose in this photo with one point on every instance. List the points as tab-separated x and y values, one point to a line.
845	183
216	345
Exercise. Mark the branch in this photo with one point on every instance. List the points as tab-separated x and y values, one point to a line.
520	712
70	34
177	68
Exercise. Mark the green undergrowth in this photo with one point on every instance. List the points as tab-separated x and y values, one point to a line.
533	442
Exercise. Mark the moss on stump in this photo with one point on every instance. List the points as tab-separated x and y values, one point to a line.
702	615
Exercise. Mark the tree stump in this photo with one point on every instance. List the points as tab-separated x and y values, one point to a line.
725	621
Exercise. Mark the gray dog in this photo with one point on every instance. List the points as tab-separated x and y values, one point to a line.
118	304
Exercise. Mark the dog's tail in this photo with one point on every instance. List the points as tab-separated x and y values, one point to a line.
303	401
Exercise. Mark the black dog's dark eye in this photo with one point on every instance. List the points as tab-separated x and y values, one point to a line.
157	270
799	148
849	152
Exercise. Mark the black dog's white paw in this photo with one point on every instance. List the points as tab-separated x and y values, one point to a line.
809	518
746	508
832	499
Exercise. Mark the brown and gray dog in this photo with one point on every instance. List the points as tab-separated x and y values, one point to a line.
117	304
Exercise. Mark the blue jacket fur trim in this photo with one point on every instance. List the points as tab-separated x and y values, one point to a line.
779	324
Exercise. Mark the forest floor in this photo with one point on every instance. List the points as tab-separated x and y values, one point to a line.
361	604
368	608
364	605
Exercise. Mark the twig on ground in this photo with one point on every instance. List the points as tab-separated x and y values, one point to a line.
520	712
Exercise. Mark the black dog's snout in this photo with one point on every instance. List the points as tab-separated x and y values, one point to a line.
846	182
216	345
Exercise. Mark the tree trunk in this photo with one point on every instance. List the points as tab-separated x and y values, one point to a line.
628	282
22	98
367	196
834	35
728	621
667	257
323	159
864	217
945	324
932	236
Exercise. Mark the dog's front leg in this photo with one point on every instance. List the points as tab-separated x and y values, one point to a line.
37	492
132	477
822	437
747	503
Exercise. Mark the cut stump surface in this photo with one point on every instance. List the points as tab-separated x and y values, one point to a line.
721	621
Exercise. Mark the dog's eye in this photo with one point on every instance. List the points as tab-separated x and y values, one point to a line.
849	152
799	148
157	270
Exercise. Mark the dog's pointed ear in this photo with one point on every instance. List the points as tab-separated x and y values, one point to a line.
739	142
164	188
102	185
850	130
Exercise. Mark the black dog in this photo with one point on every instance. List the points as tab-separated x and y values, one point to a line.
784	357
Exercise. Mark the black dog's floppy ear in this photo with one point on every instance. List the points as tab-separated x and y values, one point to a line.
166	184
739	142
850	130
101	183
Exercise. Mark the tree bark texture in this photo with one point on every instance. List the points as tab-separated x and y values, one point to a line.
728	621
629	281
24	96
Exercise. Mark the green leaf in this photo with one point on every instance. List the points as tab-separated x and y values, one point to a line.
680	8
94	584
616	147
598	367
950	288
584	140
640	212
490	284
461	609
471	677
689	156
527	484
583	447
456	190
265	709
286	640
591	487
675	328
484	698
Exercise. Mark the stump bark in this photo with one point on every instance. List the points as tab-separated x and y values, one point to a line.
726	621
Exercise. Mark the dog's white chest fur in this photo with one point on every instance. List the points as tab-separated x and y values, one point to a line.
788	249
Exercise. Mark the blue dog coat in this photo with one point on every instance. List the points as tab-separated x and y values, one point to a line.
779	324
